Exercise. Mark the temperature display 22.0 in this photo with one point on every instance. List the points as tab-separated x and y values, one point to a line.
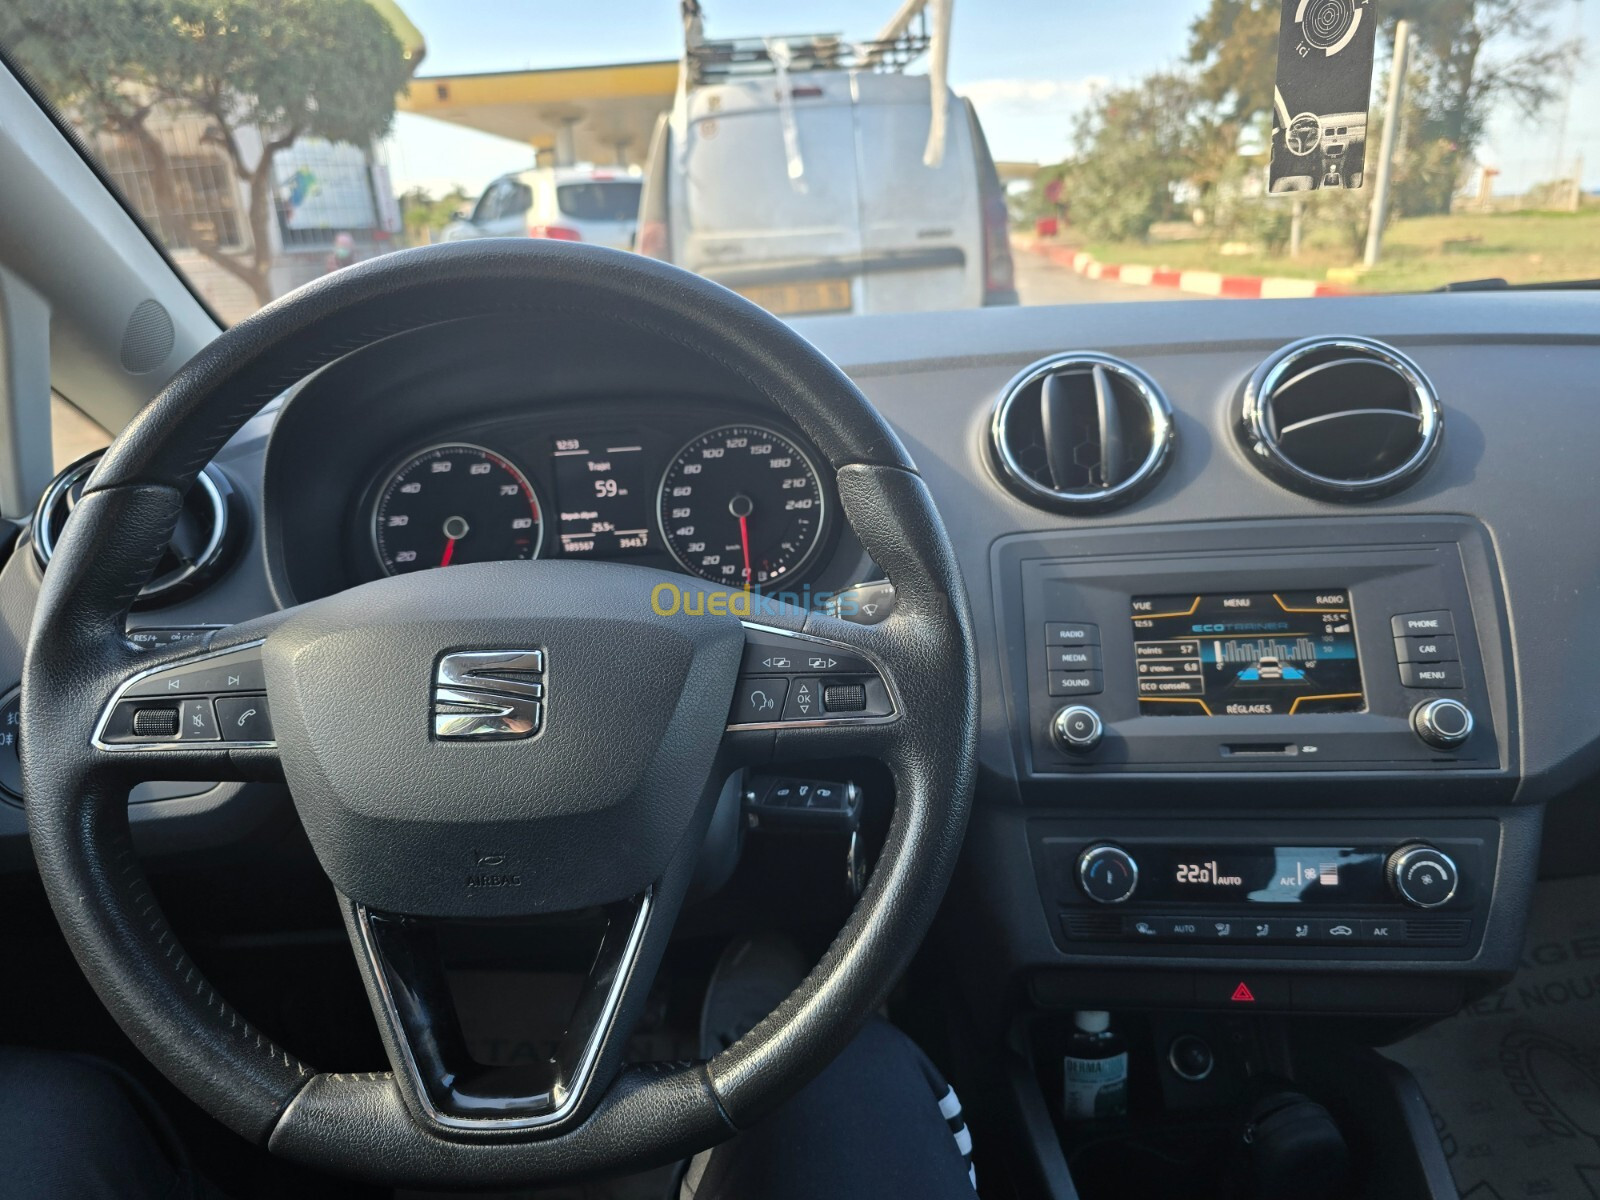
602	494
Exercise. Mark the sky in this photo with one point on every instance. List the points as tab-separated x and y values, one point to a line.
1027	65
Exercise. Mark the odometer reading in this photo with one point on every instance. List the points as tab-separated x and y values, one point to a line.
455	504
741	506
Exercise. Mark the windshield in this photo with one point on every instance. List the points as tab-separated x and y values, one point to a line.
916	156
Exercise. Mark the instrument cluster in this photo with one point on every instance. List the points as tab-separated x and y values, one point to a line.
734	502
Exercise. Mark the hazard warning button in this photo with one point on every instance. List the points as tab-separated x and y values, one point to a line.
1243	992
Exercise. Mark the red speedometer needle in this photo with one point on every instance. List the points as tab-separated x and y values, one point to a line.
744	540
449	552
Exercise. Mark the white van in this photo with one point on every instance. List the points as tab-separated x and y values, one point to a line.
573	204
836	213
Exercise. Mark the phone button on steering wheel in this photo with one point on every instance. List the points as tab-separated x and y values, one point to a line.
244	719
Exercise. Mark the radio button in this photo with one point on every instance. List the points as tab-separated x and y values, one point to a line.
1426	649
1071	633
1431	675
1423	624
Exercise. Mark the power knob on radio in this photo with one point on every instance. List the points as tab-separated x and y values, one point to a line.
1077	729
1107	874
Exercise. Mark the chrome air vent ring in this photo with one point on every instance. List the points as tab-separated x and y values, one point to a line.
1340	418
1081	431
199	544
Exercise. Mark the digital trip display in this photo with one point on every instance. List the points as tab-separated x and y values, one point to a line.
603	497
1246	654
1330	875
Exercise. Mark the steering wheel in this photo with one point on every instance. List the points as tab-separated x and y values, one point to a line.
473	744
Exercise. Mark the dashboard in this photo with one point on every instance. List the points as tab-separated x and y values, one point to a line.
486	458
1243	710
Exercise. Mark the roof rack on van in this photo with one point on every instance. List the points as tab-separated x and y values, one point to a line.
740	58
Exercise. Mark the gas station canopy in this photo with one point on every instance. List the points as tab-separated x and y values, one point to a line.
601	114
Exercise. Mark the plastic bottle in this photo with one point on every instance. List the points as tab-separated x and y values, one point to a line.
1095	1070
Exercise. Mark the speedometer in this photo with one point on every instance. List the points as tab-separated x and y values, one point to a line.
454	504
741	506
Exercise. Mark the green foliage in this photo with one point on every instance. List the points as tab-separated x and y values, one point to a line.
1135	146
287	68
424	217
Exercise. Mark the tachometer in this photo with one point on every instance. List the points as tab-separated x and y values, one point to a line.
741	506
452	504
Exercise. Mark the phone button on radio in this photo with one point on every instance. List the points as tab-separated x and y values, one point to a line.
244	719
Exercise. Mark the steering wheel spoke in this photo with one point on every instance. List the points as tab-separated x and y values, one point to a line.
191	714
823	690
579	977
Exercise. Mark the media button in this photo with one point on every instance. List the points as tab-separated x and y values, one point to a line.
1073	658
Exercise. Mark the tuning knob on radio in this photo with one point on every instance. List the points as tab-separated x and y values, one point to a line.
1107	874
1443	723
1423	876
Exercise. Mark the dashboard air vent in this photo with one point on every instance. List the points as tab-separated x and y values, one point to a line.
198	541
1081	431
1342	418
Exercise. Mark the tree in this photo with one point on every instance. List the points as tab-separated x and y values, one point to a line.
284	68
423	216
1134	147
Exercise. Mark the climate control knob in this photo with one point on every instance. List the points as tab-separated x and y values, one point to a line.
1422	875
1442	723
1107	874
1077	729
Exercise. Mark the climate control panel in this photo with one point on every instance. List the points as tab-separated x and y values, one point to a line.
1374	888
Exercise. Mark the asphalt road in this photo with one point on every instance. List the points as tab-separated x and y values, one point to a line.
1040	281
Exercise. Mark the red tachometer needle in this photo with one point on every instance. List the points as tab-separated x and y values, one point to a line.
449	552
744	540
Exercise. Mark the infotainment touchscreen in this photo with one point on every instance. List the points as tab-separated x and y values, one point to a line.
1246	654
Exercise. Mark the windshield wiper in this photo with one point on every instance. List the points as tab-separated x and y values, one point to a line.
1500	285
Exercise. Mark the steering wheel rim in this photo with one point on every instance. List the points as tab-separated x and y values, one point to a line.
78	657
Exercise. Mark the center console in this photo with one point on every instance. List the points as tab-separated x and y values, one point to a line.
1266	765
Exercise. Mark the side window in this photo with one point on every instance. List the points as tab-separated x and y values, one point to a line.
519	200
